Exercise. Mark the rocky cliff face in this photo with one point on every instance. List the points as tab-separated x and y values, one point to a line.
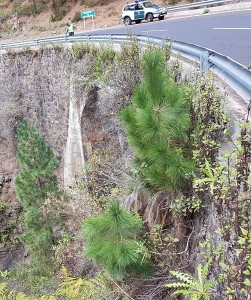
75	113
60	93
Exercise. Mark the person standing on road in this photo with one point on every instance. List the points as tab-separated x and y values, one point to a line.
70	29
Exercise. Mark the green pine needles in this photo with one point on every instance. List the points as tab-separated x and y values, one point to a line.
37	179
157	125
34	184
112	241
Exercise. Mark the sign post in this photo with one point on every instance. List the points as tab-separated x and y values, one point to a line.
88	14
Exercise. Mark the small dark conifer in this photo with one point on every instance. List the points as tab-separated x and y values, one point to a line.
34	184
112	241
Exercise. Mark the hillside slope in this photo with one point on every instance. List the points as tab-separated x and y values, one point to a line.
18	20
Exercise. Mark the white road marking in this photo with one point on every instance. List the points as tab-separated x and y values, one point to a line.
233	28
154	30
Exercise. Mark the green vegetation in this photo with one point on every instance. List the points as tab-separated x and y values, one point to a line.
30	9
128	66
77	16
106	56
60	9
175	130
208	124
90	3
112	241
100	287
4	15
157	124
172	2
81	49
35	185
193	288
206	11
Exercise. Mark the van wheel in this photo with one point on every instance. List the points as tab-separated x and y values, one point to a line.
137	21
161	18
127	21
149	17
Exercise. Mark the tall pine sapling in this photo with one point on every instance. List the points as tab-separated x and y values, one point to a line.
157	124
34	184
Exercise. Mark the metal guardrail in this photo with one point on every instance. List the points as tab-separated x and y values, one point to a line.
199	4
234	74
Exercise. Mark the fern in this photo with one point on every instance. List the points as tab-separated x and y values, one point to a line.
193	288
183	276
2	289
95	288
5	294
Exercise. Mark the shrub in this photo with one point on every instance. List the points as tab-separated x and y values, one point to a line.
91	3
106	56
77	16
55	18
172	2
59	12
27	9
206	11
81	49
4	15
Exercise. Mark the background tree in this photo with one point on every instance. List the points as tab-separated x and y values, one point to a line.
157	124
34	184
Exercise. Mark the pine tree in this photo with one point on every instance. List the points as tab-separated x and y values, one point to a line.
37	178
157	124
111	240
34	184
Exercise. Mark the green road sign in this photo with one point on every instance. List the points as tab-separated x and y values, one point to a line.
88	14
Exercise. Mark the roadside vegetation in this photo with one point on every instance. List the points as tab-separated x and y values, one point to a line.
140	234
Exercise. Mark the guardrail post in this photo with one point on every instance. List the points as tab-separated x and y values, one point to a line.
204	64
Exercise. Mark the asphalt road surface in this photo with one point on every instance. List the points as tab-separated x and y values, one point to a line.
226	33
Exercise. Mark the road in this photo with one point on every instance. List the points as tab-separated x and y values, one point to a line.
226	33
